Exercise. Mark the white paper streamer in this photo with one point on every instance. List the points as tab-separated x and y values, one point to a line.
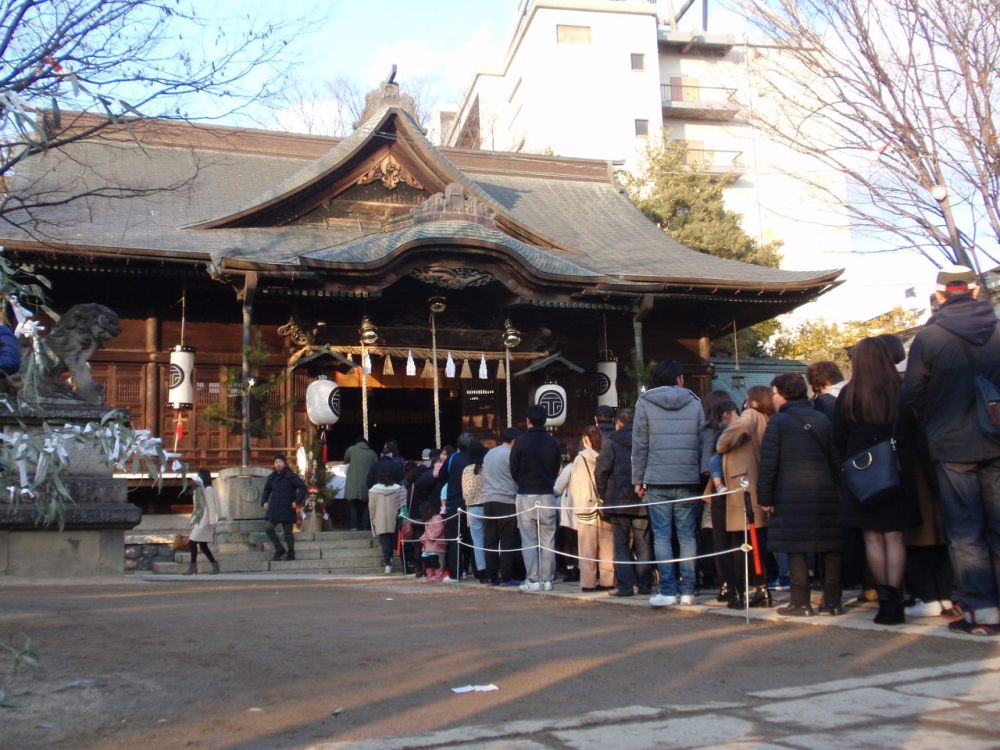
449	368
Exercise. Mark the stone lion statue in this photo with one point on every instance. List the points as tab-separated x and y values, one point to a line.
80	332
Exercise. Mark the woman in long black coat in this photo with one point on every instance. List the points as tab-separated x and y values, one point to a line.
866	413
798	487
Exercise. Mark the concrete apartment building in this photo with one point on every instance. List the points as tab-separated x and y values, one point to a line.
599	78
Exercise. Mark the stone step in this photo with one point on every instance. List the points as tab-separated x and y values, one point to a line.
335	543
250	556
343	566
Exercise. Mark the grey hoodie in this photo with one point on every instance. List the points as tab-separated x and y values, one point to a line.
667	443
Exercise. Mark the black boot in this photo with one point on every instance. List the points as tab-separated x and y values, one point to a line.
890	606
761	597
736	600
723	593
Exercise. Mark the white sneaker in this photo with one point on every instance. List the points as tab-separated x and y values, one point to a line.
530	586
546	585
388	570
924	609
687	600
662	600
448	579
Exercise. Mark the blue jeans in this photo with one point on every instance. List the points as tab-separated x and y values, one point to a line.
970	509
665	519
477	527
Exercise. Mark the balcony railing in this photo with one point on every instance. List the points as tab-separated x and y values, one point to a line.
698	102
715	161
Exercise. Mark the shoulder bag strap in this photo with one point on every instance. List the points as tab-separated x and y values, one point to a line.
809	431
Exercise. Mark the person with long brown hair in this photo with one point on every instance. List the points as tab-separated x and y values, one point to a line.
740	445
866	413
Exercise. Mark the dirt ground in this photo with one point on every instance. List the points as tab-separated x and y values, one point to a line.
214	663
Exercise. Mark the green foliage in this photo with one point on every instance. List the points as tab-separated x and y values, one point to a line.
639	374
689	205
819	340
24	657
264	416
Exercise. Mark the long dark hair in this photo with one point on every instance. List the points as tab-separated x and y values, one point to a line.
205	476
871	395
712	398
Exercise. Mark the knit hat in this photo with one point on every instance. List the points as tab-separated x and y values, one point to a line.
280	457
956	279
426	455
313	488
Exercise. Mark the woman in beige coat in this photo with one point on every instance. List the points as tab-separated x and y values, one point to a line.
203	520
739	445
384	501
594	535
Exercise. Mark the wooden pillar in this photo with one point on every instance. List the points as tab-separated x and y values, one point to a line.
246	296
151	374
705	350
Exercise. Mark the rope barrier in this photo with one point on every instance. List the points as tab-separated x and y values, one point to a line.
745	548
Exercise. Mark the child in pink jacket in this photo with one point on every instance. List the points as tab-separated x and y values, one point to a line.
432	541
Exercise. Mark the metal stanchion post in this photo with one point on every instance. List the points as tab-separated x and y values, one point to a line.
538	545
746	571
458	547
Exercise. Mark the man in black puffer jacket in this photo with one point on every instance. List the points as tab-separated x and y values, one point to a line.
623	509
961	339
283	490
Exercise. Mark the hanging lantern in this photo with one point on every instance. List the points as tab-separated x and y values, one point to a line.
411	366
323	402
466	373
449	367
181	392
552	397
387	366
607	383
428	372
483	373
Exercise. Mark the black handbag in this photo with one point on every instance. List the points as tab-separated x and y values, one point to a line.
872	475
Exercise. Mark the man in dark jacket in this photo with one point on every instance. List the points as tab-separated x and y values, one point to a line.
454	501
961	340
628	517
535	460
283	490
669	456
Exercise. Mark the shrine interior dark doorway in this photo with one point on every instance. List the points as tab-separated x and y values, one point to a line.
403	414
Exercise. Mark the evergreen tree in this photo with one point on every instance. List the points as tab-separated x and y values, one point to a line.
689	205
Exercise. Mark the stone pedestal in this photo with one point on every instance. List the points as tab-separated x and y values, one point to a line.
239	489
92	540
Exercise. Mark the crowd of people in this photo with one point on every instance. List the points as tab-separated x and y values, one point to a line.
888	482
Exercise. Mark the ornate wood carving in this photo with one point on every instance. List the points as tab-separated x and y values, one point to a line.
448	277
453	203
391	173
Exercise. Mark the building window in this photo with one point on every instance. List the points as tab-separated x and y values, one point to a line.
572	34
642	127
638	61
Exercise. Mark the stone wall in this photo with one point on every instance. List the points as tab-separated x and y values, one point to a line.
140	557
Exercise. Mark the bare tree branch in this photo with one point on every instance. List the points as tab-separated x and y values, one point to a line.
900	97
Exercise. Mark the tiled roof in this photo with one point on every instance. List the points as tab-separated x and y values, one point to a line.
585	230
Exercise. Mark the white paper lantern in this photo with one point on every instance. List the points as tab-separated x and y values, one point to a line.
553	398
323	402
180	394
607	384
